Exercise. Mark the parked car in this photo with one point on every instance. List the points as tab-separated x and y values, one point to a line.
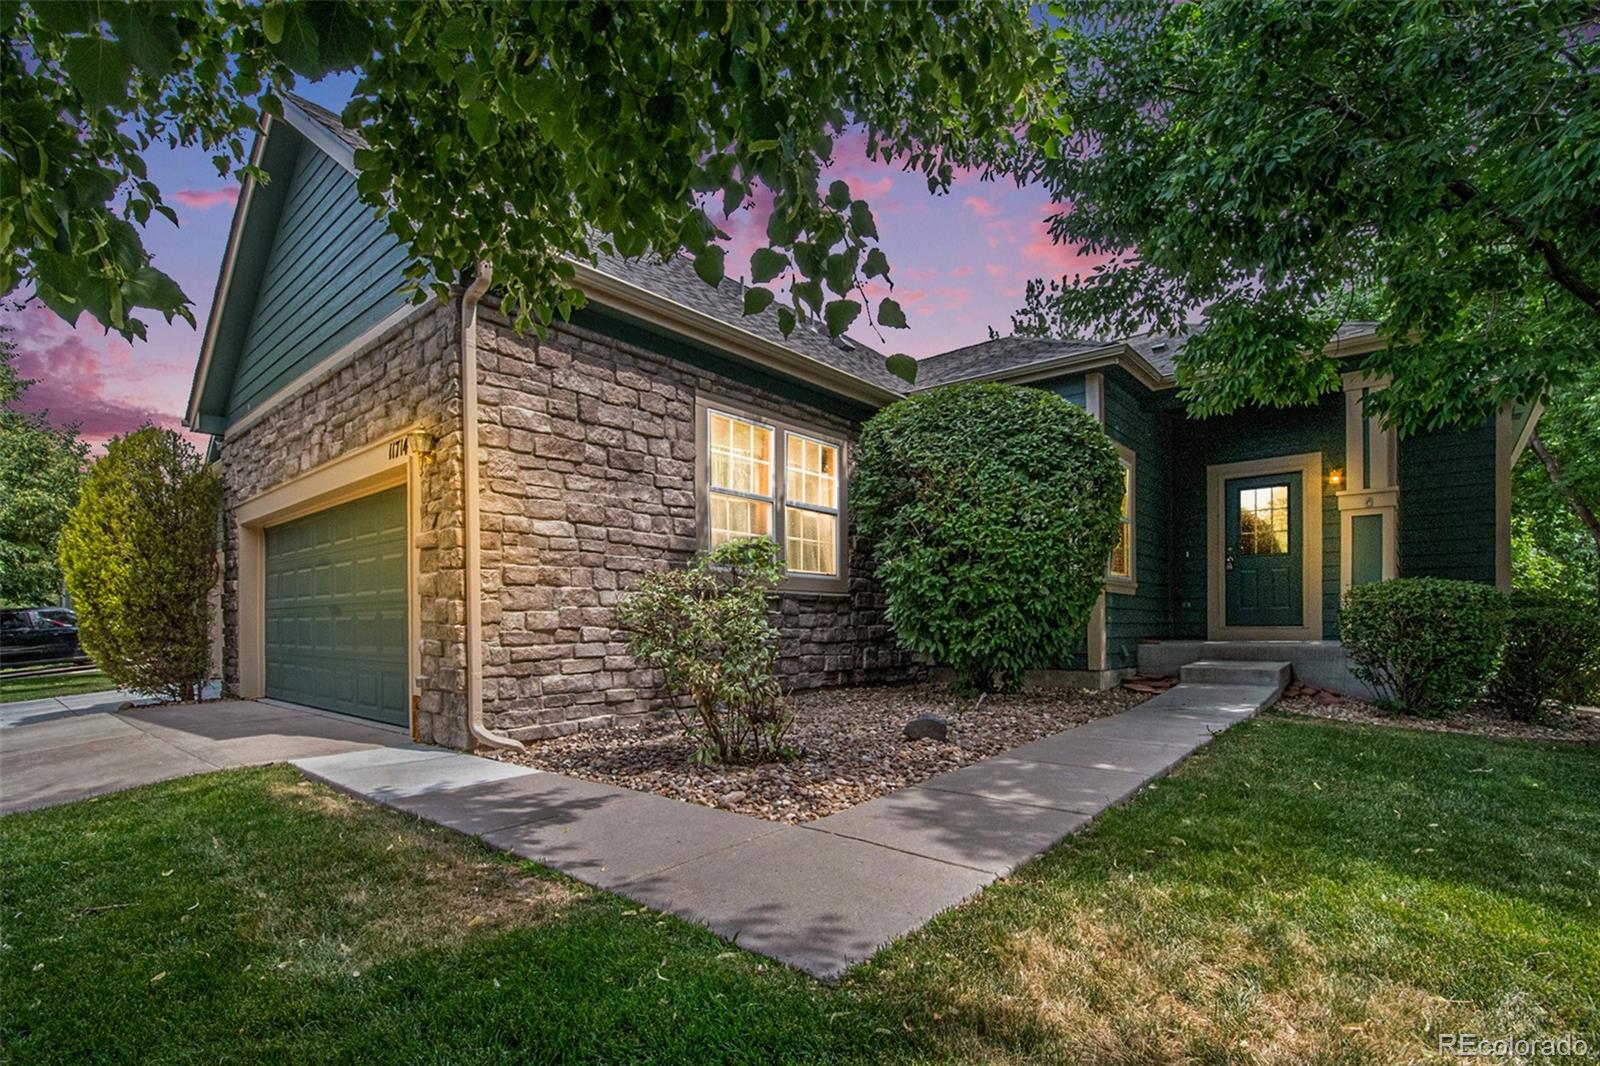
38	635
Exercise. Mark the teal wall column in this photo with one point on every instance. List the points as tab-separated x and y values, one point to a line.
1366	549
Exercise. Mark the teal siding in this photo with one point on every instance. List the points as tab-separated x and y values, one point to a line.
1146	613
1366	549
1073	390
1447	519
333	271
1240	437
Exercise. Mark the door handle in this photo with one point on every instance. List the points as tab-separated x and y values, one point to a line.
1227	561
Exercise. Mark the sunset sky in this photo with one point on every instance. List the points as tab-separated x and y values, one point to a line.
959	264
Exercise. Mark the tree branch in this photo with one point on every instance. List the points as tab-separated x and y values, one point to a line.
1553	468
1561	271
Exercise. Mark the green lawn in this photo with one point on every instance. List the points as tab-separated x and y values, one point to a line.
1298	892
16	689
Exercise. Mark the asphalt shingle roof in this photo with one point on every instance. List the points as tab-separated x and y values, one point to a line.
675	279
996	356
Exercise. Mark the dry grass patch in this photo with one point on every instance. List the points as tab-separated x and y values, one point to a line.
1298	892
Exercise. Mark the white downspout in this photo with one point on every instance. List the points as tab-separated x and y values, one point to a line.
479	735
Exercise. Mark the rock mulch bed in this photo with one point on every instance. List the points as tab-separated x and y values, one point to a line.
850	740
1577	728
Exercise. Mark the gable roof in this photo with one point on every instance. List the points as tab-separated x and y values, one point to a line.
676	280
668	294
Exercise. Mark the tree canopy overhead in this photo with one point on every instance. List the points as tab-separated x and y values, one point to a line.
1276	163
511	133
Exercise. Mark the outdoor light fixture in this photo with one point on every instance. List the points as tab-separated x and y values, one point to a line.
1336	477
419	442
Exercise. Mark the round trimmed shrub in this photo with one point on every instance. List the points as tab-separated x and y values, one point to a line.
1428	645
1552	656
139	553
990	511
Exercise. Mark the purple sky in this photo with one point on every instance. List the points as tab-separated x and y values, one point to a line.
959	263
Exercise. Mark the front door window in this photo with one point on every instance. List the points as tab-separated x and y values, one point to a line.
1264	551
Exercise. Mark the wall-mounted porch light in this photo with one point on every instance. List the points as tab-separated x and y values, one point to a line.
419	442
1335	477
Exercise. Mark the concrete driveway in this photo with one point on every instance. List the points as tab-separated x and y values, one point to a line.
59	750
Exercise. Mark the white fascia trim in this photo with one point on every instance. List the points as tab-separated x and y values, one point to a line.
662	311
225	279
1129	359
1117	354
1338	349
336	147
1525	434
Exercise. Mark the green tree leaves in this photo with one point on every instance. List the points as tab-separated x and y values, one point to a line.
1287	167
625	127
839	314
757	300
890	314
708	264
524	135
41	468
99	70
140	556
766	264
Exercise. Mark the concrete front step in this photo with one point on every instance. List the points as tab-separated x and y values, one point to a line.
1236	672
1322	663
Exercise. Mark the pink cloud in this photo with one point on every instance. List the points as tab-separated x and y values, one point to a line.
85	378
201	199
980	206
1046	257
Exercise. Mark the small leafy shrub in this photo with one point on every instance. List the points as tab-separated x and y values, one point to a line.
706	627
1428	645
139	553
1552	656
991	511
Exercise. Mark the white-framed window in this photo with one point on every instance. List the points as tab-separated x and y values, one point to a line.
740	490
1120	570
763	477
811	505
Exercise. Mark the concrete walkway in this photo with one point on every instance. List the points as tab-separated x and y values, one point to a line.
59	750
821	896
824	895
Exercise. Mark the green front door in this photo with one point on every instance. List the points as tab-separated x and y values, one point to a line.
1264	553
336	609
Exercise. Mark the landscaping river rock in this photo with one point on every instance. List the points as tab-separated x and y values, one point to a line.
850	747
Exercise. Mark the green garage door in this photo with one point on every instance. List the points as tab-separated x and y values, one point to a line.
336	609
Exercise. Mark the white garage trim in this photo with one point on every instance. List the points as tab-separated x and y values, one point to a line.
370	469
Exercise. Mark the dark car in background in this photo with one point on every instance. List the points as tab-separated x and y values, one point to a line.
39	635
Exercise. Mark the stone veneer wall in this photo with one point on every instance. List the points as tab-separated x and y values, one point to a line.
589	482
411	375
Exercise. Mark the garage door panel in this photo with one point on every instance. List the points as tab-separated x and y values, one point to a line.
336	609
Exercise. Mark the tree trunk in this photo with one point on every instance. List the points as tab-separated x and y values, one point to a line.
1581	509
